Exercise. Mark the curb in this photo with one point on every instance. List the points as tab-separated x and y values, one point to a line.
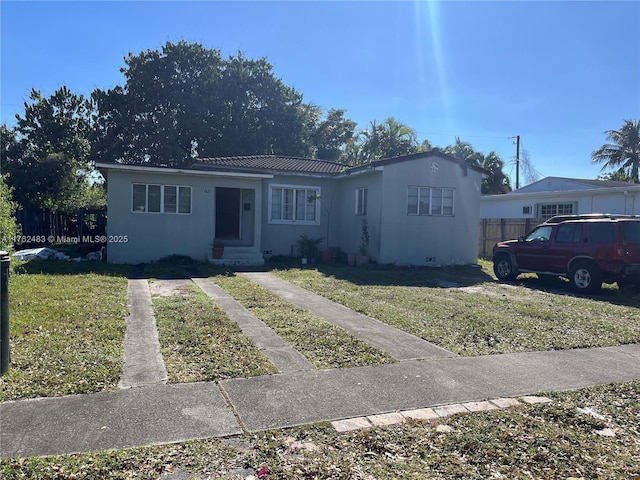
432	414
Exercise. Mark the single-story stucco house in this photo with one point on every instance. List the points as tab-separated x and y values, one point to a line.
421	209
563	196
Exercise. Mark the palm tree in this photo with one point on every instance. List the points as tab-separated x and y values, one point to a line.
623	151
464	152
497	182
400	138
388	139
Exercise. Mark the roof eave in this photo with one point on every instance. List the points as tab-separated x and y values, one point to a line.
119	167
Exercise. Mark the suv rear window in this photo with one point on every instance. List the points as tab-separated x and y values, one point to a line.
569	233
602	233
631	231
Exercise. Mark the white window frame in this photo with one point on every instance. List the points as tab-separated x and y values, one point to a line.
162	198
310	191
553	209
426	197
361	201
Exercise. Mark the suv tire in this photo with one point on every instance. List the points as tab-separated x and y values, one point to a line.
503	268
585	277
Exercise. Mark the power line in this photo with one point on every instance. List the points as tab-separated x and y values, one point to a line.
463	136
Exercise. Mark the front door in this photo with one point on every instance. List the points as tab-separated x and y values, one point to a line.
228	213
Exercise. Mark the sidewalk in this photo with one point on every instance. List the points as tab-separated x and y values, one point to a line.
157	414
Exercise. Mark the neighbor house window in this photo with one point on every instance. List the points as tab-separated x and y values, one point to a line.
553	209
294	204
430	201
361	201
161	198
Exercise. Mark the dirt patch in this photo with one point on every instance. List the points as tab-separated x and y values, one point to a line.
490	290
171	288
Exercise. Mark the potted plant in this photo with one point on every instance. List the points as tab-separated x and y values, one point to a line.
308	247
218	248
362	258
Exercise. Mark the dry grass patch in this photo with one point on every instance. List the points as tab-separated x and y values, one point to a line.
200	343
476	316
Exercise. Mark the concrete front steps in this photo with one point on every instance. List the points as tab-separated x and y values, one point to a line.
238	257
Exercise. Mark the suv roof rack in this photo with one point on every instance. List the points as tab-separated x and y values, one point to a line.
587	216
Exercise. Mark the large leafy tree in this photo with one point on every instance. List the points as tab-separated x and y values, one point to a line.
8	225
261	115
164	111
333	135
623	150
185	101
46	155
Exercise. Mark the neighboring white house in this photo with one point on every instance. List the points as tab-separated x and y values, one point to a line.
421	209
563	196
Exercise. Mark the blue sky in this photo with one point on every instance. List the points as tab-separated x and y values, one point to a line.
556	73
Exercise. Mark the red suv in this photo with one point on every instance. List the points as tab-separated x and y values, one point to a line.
587	249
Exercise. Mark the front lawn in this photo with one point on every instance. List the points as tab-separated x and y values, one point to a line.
200	343
464	309
66	329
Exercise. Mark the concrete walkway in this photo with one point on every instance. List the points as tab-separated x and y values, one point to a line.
158	414
400	345
143	364
295	399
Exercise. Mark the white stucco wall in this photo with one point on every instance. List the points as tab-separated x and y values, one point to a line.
621	200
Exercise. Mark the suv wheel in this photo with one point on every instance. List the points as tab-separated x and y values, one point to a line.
585	277
503	268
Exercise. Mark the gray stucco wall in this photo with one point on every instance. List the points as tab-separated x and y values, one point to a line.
151	236
425	239
395	236
281	238
402	239
350	233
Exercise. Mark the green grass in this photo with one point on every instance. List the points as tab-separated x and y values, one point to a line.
324	344
483	317
200	343
66	330
529	441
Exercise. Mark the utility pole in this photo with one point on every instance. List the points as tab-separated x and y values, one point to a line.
517	162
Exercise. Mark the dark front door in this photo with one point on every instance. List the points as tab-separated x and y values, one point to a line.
228	213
